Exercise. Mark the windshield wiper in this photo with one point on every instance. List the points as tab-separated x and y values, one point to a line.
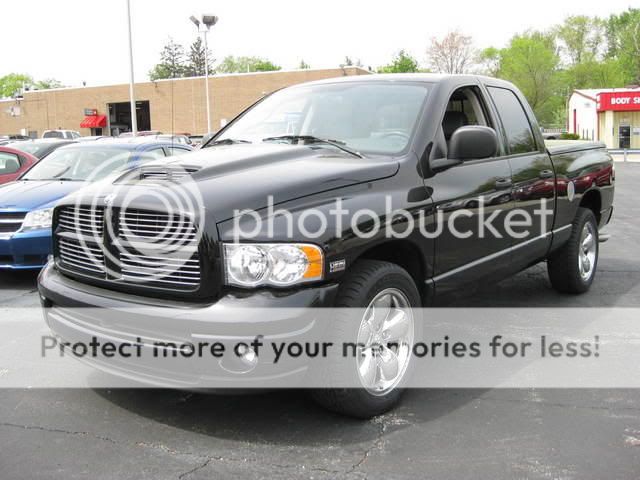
59	174
226	141
311	139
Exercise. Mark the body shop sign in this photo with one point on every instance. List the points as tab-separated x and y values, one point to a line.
619	101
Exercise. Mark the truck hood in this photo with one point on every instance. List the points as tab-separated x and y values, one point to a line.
244	176
32	195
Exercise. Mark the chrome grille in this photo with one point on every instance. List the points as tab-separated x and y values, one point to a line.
162	270
152	249
153	227
82	220
81	256
11	222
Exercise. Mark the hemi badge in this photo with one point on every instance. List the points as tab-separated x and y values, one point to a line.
337	266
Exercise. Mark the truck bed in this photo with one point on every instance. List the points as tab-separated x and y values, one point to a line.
559	147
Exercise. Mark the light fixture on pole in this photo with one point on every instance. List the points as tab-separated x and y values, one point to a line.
132	99
203	24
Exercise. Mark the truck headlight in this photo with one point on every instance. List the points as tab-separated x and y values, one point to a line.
38	219
275	264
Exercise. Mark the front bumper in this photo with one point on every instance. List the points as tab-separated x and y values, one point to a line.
25	250
77	312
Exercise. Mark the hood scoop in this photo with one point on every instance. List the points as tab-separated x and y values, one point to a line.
164	173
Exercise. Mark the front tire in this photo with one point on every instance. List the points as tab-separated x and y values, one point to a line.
573	267
387	301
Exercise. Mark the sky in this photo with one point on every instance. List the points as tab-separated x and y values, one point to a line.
79	40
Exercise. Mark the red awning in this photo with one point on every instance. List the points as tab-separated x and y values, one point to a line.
94	121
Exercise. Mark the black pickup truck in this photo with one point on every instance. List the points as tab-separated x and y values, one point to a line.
441	183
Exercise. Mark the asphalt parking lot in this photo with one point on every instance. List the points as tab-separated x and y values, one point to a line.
452	434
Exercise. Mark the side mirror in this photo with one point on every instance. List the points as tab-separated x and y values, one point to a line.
473	142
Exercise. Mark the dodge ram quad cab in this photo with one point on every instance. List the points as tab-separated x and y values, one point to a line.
462	155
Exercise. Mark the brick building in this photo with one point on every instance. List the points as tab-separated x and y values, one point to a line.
176	106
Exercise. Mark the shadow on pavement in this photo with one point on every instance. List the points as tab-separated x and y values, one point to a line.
281	417
18	279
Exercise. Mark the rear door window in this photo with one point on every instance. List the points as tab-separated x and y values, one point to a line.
516	124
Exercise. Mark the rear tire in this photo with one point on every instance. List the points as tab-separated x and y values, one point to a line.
573	267
370	280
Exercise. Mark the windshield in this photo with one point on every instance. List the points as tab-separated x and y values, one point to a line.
79	164
35	149
367	117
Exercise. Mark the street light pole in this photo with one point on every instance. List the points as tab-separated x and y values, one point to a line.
206	80
132	100
203	24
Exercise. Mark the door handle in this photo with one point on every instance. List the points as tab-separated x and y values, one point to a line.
544	174
503	183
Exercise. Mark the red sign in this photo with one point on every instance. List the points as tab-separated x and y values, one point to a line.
619	101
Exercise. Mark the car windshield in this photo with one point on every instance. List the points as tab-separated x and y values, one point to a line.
35	149
79	164
366	117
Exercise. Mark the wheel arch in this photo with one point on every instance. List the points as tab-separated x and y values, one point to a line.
405	254
592	199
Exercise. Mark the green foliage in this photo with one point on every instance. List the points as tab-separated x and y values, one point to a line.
48	83
531	62
581	38
569	136
582	52
623	37
231	64
172	62
196	59
608	73
12	83
303	65
402	63
489	61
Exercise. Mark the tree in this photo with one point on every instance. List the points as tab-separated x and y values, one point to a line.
348	62
531	62
608	73
489	61
231	64
623	36
196	59
303	65
402	63
13	83
47	84
453	54
581	38
172	62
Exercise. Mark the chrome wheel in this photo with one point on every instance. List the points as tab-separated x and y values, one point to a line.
588	251
386	338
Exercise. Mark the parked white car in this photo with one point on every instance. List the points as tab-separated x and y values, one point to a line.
67	134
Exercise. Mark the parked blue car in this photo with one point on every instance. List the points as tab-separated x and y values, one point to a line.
26	205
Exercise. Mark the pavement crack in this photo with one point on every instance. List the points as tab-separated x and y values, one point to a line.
375	445
196	468
561	404
58	430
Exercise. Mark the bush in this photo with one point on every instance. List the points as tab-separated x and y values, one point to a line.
569	136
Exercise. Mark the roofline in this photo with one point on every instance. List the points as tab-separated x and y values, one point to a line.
578	92
199	77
